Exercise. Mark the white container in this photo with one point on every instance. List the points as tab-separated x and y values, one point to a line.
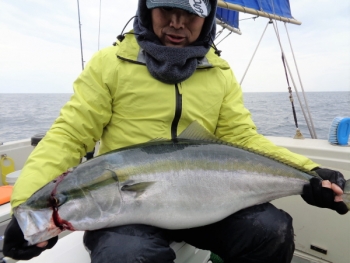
11	178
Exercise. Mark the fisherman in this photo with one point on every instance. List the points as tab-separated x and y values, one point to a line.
153	83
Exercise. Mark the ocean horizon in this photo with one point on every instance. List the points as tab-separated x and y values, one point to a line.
23	115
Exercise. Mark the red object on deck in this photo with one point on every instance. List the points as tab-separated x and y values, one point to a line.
5	194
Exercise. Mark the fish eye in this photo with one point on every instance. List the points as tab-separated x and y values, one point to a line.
58	200
54	201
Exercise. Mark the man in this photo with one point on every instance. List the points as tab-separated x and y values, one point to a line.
153	84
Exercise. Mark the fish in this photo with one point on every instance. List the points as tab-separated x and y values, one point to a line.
194	180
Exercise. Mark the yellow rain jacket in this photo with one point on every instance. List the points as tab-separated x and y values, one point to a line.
117	102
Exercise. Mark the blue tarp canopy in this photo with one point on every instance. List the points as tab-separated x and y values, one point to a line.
274	7
230	17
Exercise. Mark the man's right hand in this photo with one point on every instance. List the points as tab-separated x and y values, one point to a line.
326	193
16	247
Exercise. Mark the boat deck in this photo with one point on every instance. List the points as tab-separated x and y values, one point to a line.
321	228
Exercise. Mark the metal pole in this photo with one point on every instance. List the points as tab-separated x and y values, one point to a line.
99	27
81	44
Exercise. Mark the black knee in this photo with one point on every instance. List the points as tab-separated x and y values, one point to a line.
128	244
280	237
277	225
268	236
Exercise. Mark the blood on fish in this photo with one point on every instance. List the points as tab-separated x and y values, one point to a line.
60	223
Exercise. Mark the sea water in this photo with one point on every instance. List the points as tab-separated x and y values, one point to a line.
24	115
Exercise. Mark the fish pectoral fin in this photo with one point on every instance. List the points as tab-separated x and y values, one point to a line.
137	188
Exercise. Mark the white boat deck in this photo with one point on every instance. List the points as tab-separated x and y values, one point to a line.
321	228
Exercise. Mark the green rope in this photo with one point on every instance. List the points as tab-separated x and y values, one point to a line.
215	258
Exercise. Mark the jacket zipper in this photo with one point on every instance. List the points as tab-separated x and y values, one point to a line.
178	110
178	102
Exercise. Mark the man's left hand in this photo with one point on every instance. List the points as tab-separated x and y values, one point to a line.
326	193
16	247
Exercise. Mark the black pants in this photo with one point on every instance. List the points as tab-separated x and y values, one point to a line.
260	233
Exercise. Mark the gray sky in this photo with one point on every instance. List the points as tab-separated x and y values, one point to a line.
40	48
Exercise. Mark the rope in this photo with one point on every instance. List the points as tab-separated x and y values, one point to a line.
254	17
302	88
290	93
298	134
310	127
229	33
285	72
286	62
219	33
311	131
254	54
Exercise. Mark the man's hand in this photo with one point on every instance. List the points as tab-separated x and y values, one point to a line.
326	193
16	247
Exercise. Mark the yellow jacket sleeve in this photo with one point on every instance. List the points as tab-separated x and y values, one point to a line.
236	125
74	133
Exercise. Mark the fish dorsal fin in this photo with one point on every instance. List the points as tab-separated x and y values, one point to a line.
195	131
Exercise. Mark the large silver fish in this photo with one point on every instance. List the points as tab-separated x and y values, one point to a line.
194	181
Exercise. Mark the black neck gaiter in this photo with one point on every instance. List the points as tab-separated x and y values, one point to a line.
171	64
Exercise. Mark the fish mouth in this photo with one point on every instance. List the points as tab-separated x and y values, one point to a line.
37	225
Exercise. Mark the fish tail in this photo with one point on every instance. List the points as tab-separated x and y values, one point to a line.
346	195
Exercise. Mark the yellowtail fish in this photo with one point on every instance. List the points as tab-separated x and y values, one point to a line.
192	181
